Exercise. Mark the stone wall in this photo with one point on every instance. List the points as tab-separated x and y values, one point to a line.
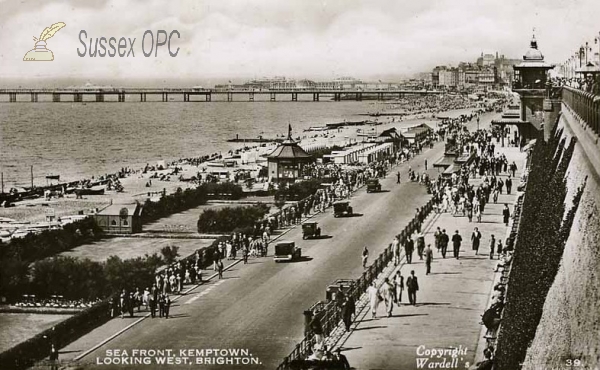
570	325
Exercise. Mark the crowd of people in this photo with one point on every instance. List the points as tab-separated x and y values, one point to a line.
589	83
30	301
456	195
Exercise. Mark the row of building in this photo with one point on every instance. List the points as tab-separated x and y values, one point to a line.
488	71
283	83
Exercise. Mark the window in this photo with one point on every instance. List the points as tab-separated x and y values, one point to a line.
125	223
113	223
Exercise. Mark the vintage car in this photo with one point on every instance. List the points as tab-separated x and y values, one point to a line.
373	185
342	208
310	230
287	251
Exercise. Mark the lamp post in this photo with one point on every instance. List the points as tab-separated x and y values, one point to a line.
586	53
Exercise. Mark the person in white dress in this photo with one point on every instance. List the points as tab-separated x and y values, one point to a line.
374	297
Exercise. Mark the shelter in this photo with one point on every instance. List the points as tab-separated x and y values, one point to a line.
418	133
285	163
532	85
120	219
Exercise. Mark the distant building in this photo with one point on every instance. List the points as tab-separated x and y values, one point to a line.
487	71
120	219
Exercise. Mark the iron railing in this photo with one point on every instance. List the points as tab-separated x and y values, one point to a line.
585	105
330	314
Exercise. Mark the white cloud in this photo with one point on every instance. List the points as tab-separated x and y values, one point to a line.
238	39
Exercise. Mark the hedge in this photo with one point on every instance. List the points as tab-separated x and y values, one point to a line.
539	247
35	247
27	353
183	200
228	219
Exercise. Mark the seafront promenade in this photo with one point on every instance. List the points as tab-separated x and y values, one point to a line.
263	299
450	300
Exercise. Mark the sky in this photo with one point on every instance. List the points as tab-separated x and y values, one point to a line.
238	39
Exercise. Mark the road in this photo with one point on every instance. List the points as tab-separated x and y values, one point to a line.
259	306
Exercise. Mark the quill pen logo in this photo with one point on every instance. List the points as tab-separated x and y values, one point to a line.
40	53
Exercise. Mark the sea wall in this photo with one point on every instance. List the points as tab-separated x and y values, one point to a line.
569	330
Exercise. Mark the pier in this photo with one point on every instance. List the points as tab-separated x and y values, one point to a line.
202	95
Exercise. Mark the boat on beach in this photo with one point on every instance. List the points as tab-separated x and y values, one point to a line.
96	190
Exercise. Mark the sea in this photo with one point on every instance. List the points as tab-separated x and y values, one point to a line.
81	140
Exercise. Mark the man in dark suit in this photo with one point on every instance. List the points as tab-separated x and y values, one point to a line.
508	185
412	285
428	258
444	240
409	247
456	241
505	214
342	360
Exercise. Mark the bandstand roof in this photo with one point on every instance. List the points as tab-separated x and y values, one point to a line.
289	149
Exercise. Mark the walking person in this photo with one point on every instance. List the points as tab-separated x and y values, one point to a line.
428	258
348	309
508	184
152	303
420	245
426	165
220	269
396	251
53	357
409	248
374	298
475	240
492	246
499	249
444	240
437	235
456	241
399	285
365	257
168	306
161	305
412	285
398	177
245	254
317	329
513	168
505	214
387	292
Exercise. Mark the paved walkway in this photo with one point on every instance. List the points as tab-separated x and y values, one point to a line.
450	301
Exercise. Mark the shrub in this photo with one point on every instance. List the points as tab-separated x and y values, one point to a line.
170	253
298	190
228	219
